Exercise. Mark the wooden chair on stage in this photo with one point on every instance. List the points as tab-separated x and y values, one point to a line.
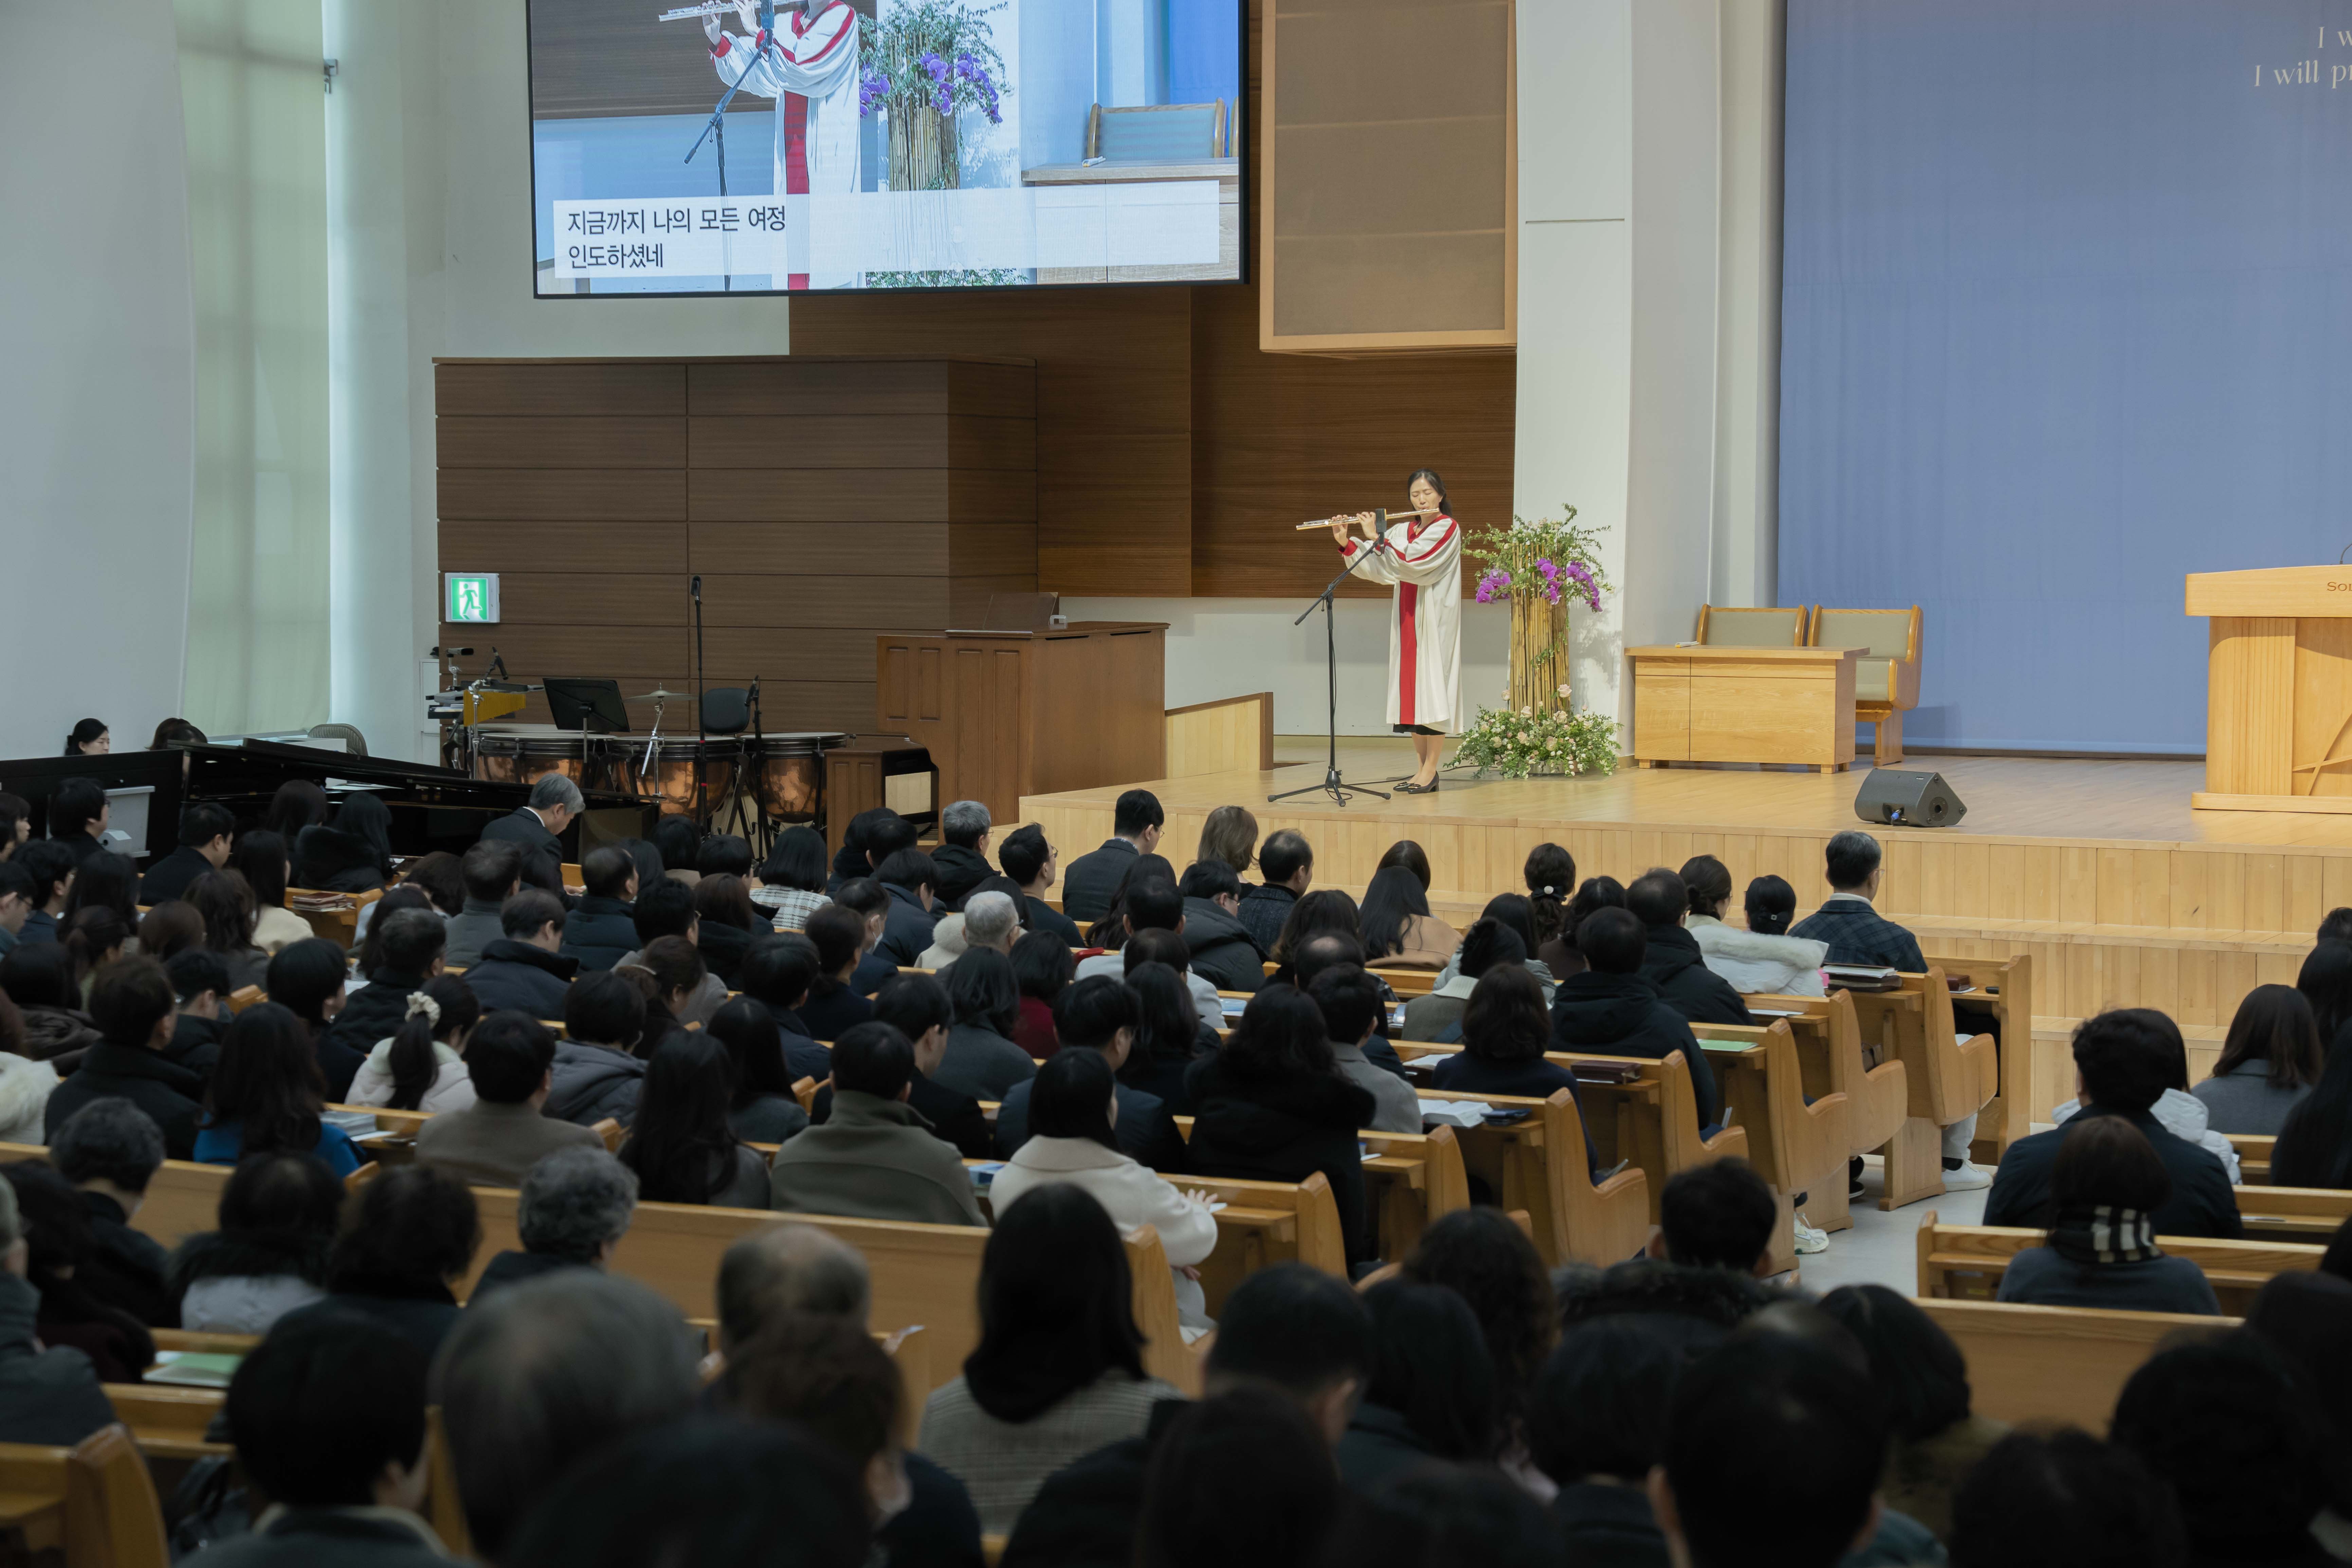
1726	626
1887	677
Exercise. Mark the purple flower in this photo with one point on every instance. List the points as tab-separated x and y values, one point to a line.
936	67
942	102
873	87
1494	585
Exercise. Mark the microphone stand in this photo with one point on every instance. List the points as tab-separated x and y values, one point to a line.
1333	785
755	765
718	123
701	736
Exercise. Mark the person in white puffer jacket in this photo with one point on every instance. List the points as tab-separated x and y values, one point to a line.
439	1020
25	1085
1763	960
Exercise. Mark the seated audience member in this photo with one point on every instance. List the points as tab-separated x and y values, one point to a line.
677	840
422	1066
368	956
2326	981
1672	959
277	1218
555	801
909	878
2121	1065
961	858
723	855
1067	1119
49	1393
355	855
266	1096
840	935
1043	968
1483	1256
792	879
873	1157
1549	872
2105	1188
206	831
307	979
44	983
1089	881
729	927
1762	960
15	904
1770	1427
60	1265
110	883
2314	1146
440	877
1059	1368
1608	1007
94	938
1286	863
867	897
1229	837
1351	1002
989	919
1289	1328
2236	1430
1168	1033
2268	1064
2065	1499
493	871
917	1005
1100	1016
761	1107
51	866
327	1418
1936	1439
1596	1424
110	1149
1437	1016
1460	1513
525	970
2304	1315
1515	914
260	860
225	903
493	1141
132	1003
981	1060
574	1206
1152	903
402	1246
26	1085
1271	1106
1847	920
16	824
1431	1395
2176	1110
171	929
599	931
1031	865
679	1143
1240	1478
665	910
1224	951
543	1374
597	1072
779	976
408	943
1396	925
1718	1215
298	804
79	817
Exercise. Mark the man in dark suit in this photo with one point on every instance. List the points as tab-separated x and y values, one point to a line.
1093	878
1102	1016
1031	861
205	833
2123	1063
910	881
1672	961
1847	919
554	802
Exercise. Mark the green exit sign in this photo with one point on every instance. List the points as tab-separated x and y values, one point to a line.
471	597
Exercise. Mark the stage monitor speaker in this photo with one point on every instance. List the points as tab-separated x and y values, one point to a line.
1903	799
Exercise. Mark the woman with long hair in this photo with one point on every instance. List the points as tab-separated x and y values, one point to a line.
265	1093
278	1220
61	1243
1397	926
2314	1146
791	882
2101	1251
260	858
2270	1061
1058	1371
1595	893
731	922
1422	556
981	1060
307	979
761	1106
680	1144
355	855
88	738
226	907
1325	909
421	1066
168	929
1506	1030
94	939
1230	835
1760	961
299	804
106	880
1488	1260
2326	981
1551	876
1043	968
1431	1395
1169	1037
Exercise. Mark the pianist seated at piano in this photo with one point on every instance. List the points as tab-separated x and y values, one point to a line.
352	855
554	802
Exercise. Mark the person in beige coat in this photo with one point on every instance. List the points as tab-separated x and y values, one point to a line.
874	1157
1397	927
498	1138
1073	1108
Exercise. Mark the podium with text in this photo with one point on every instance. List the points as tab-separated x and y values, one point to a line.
2278	689
1011	714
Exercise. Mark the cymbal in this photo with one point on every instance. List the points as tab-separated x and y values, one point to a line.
659	694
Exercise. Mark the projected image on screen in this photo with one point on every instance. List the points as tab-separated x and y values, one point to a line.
726	147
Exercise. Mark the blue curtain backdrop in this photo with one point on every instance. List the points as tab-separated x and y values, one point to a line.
2066	313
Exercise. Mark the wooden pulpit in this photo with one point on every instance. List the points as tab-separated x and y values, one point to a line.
2278	689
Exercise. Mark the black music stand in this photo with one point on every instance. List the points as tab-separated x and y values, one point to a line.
592	706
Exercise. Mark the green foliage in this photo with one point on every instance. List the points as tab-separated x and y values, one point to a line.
1518	745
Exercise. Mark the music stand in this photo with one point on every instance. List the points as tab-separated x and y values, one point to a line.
575	703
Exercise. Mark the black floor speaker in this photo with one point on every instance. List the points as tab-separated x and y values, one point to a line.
1907	800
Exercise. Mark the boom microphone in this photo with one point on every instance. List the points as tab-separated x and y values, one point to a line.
696	587
451	652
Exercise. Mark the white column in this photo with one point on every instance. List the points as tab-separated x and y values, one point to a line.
1748	395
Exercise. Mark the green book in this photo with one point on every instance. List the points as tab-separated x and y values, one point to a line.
192	1369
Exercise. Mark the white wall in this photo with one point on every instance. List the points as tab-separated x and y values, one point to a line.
97	372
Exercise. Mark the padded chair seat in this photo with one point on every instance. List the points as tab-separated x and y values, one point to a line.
1874	680
1754	628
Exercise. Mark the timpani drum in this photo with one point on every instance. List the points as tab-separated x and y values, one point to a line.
792	772
521	753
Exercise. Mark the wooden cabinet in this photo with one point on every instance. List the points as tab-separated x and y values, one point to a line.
1744	705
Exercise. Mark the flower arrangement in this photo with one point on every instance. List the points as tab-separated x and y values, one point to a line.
920	67
1538	568
1520	743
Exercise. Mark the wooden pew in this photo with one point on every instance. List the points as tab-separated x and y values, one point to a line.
1796	1147
338	923
2293	1214
1946	1078
94	1505
1830	1054
2054	1364
1407	983
1539	1166
168	1423
245	997
2254	1150
2004	990
1966	1262
1410	1180
1265	1223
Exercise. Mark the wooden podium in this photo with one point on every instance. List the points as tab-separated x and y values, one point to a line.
1011	714
2278	689
1721	703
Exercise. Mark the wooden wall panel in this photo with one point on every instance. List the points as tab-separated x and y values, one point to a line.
559	387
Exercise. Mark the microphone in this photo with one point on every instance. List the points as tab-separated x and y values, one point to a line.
451	652
696	587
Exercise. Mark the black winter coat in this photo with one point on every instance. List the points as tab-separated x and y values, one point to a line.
958	871
171	1095
1674	963
337	862
1622	1016
1280	1129
542	852
1223	953
528	979
2202	1202
599	933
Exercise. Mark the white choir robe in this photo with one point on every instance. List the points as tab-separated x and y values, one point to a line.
1425	632
810	69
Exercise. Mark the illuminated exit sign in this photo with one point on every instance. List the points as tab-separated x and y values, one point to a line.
471	597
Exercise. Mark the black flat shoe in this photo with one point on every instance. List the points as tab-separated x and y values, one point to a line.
1409	787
